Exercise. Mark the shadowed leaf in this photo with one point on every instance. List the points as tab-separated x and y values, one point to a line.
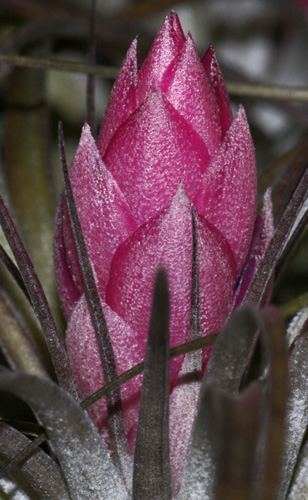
297	408
15	344
13	270
85	462
230	355
39	469
280	243
239	425
283	175
299	487
151	479
274	340
224	372
39	302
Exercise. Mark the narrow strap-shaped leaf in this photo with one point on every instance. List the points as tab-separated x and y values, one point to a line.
194	331
274	339
193	345
39	302
279	243
16	345
297	408
185	394
13	270
199	472
151	479
117	435
39	469
299	486
230	355
238	432
224	372
84	460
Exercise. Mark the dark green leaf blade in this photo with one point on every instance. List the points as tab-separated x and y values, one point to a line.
151	478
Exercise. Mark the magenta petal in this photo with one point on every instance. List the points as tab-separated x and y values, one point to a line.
228	196
213	72
166	240
263	233
189	90
68	292
176	26
153	151
122	102
85	361
165	48
105	217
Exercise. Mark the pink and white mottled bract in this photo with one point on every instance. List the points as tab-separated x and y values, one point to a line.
168	142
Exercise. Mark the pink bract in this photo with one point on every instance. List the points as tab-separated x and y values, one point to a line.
168	143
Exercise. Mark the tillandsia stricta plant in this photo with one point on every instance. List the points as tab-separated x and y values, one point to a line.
157	237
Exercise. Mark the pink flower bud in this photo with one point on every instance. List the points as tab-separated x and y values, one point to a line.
168	142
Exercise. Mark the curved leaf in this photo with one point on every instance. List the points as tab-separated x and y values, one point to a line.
39	469
39	302
85	462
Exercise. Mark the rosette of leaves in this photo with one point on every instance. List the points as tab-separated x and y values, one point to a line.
252	414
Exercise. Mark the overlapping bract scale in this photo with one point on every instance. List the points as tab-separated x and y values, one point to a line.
159	149
105	216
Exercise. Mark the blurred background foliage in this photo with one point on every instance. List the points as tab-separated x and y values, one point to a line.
256	41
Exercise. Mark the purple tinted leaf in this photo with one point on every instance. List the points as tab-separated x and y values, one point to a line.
273	430
15	344
299	486
85	462
39	302
296	164
194	330
115	417
288	223
151	479
238	431
13	270
224	372
199	472
39	469
230	355
297	408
